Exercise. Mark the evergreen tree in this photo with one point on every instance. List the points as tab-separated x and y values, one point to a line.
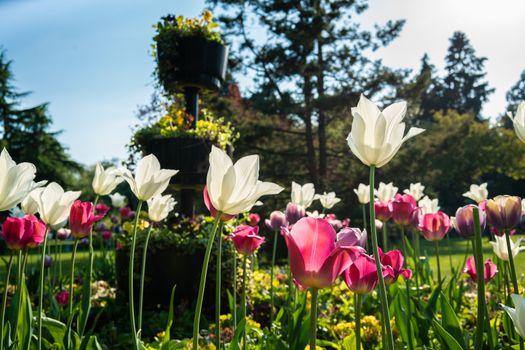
26	135
516	94
464	88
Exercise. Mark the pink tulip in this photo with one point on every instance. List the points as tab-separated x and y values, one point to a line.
464	224
101	209
24	232
62	297
276	221
246	239
361	276
332	220
81	219
106	235
434	226
394	260
254	219
489	269
126	213
315	259
402	207
383	210
211	209
350	236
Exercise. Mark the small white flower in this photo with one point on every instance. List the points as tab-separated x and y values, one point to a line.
428	206
478	193
328	200
160	206
315	214
415	190
106	180
386	192
518	314
303	195
118	200
363	193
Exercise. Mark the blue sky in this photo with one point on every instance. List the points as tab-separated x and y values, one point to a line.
90	59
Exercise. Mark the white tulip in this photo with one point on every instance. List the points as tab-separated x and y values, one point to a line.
30	203
150	180
518	314
16	181
478	193
235	189
118	200
500	247
415	190
428	206
328	200
160	206
315	214
54	204
523	206
106	180
519	121
386	192
376	135
303	195
363	193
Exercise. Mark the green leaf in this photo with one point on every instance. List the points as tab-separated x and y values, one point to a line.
166	338
56	328
447	339
25	318
234	345
450	321
90	343
86	301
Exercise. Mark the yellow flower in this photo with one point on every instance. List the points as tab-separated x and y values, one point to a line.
207	16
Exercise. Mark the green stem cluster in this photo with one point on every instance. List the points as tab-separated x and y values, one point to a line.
142	275
274	250
388	341
357	306
313	319
478	256
130	278
243	303
218	290
41	289
4	300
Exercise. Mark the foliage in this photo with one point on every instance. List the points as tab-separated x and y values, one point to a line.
26	134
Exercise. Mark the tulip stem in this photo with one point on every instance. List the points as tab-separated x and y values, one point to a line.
243	303
409	307
218	289
142	274
385	236
437	259
71	291
415	238
234	292
130	278
313	319
511	263
19	277
41	289
449	251
357	306
389	338
274	250
202	283
4	300
478	254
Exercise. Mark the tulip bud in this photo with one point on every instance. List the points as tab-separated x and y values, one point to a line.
350	236
489	269
48	261
62	297
126	213
101	209
63	234
294	213
464	221
254	219
383	210
435	226
402	207
394	259
276	221
246	239
379	225
106	235
81	218
503	212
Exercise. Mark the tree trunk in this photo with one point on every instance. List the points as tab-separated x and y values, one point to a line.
321	121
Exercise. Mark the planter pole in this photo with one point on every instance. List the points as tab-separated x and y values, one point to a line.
187	195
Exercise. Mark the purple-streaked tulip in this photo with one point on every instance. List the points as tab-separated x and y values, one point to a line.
503	212
294	212
63	233
489	269
276	221
434	226
498	232
350	236
402	207
315	259
464	221
246	239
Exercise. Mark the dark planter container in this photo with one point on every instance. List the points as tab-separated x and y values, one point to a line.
188	155
174	266
190	62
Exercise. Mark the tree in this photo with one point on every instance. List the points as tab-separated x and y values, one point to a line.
26	135
464	88
309	67
516	94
